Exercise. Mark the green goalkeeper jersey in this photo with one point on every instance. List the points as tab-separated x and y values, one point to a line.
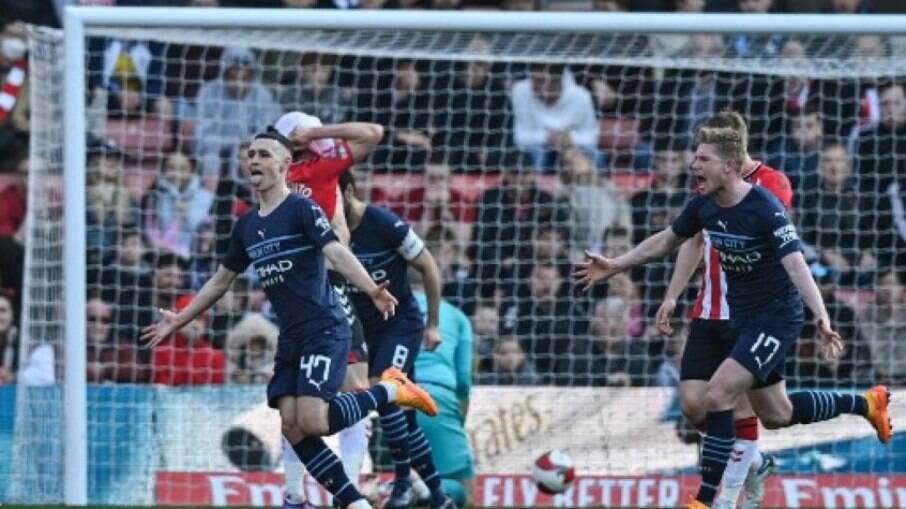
450	365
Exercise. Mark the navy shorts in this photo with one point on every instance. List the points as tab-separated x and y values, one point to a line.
396	345
708	345
762	345
314	366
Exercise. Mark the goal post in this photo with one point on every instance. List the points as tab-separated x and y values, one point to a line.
580	39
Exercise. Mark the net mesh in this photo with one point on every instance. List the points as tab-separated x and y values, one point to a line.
509	171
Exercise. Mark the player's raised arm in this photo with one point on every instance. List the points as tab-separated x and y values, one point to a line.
798	270
687	260
344	262
361	137
598	268
171	322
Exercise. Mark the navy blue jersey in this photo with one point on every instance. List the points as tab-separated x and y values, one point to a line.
751	237
285	249
384	244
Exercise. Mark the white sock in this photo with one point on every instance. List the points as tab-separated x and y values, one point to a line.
391	391
419	487
293	471
353	447
744	451
360	504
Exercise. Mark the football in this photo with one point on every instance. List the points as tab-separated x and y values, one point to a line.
553	471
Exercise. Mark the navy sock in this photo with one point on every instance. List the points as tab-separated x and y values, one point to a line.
326	468
351	407
396	434
422	462
716	447
816	406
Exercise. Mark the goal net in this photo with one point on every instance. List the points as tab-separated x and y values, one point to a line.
511	154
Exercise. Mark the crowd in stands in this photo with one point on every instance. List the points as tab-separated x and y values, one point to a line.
508	171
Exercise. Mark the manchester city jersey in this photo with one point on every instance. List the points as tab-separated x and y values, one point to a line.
384	243
285	249
751	237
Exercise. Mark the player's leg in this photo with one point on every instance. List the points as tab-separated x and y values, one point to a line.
777	409
354	439
449	445
423	461
725	388
745	460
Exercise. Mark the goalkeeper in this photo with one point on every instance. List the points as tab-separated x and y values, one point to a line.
446	373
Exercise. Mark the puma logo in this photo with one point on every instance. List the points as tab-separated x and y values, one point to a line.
261	233
722	224
318	384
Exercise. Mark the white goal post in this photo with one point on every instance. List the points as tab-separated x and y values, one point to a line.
80	22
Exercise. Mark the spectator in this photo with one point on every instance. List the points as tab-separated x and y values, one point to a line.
511	366
167	282
854	367
176	205
548	323
520	5
796	154
672	44
507	215
755	46
474	114
549	111
108	359
12	264
14	82
652	211
881	154
404	109
250	349
230	108
13	197
668	372
459	286
685	98
9	341
127	77
228	312
549	246
610	356
123	280
186	358
233	198
435	202
830	216
847	7
486	328
884	327
315	92
595	205
892	224
110	210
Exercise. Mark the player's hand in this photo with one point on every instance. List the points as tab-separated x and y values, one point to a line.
301	137
831	342
595	269
431	338
153	334
383	300
664	316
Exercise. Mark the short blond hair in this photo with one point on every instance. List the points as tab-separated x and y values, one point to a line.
728	142
733	120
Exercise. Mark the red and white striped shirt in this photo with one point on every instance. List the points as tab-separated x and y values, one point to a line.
711	303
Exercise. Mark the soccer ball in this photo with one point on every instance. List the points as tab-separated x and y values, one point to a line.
553	471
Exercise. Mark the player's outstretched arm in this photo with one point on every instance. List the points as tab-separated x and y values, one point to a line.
687	259
361	137
795	266
171	322
344	262
432	280
598	268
